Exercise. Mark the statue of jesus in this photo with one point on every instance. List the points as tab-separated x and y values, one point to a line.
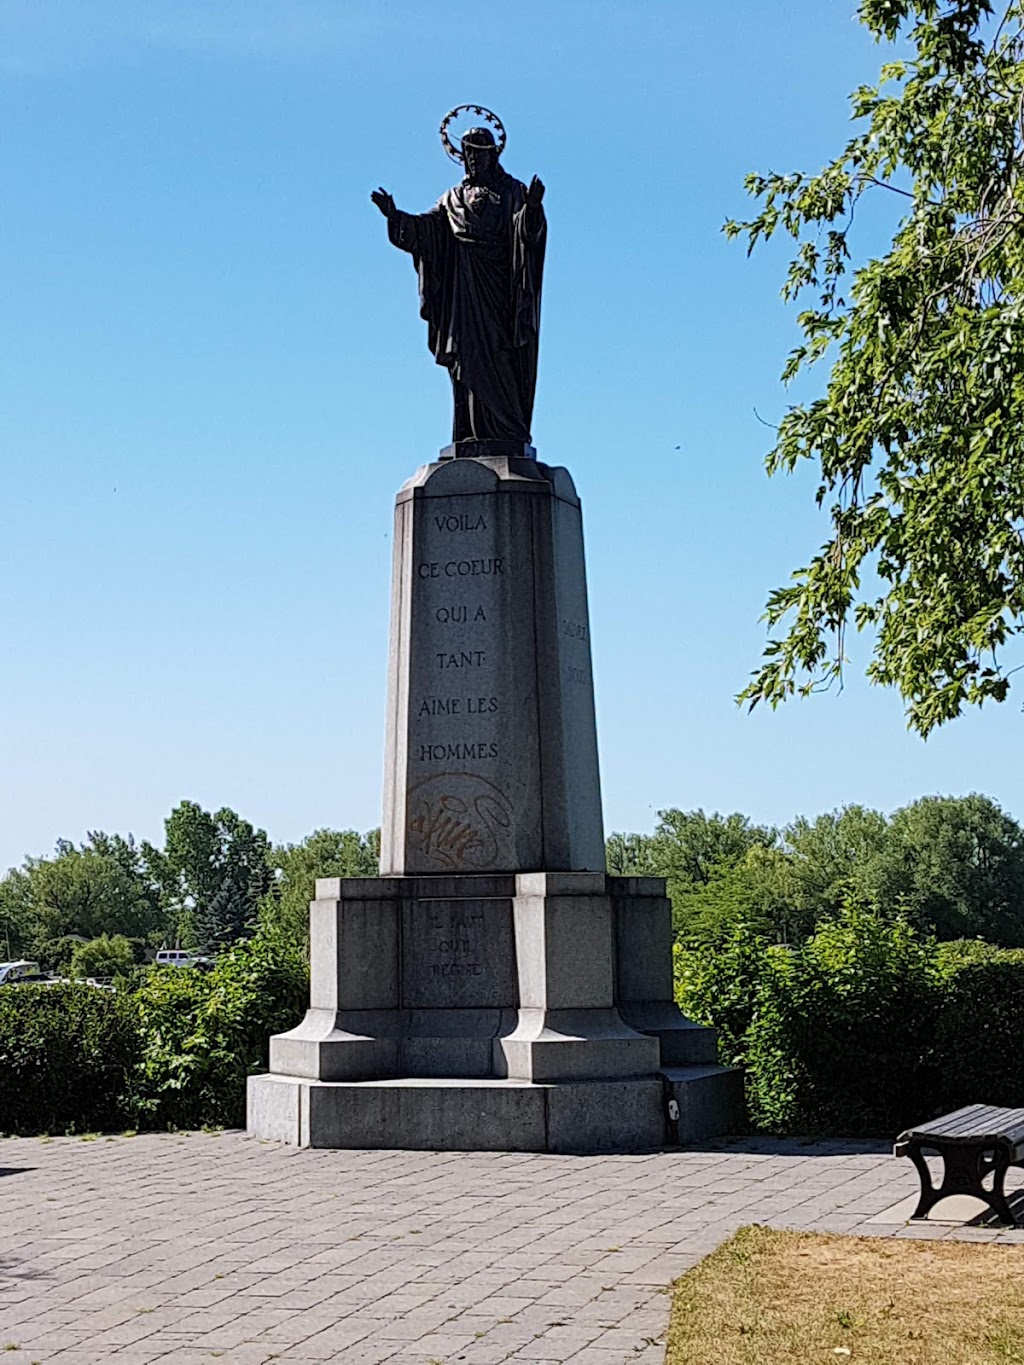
479	254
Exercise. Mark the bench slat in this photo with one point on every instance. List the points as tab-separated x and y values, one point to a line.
974	1123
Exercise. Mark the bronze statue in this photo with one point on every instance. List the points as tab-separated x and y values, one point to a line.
479	254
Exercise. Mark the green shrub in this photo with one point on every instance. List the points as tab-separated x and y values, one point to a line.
842	1035
720	987
67	1058
204	1033
978	1037
107	955
962	952
863	1029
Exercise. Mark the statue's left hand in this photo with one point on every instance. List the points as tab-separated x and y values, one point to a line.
535	192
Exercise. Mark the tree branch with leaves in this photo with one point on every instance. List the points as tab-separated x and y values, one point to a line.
918	434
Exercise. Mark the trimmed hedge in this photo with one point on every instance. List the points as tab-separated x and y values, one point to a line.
979	1039
865	1028
175	1053
68	1056
842	1040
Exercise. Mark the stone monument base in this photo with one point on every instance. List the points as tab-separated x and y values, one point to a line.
467	1114
518	1012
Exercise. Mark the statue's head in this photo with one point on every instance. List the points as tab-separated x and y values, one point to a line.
479	152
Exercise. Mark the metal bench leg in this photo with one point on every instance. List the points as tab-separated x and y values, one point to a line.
930	1196
997	1199
963	1169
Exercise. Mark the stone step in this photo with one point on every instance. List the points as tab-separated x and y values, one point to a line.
452	1114
460	1114
710	1100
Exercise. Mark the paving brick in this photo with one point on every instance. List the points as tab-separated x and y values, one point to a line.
360	1258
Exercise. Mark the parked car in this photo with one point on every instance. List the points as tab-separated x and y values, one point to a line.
21	971
177	957
101	983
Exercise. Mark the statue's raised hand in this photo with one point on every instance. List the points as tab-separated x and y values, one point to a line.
535	192
384	202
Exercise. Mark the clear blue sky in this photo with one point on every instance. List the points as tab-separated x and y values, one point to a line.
213	379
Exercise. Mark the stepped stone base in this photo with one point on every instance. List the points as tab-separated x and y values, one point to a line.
481	1115
525	1011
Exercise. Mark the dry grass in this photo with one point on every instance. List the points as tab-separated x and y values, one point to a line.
778	1298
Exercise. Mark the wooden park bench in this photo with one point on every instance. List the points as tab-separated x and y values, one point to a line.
974	1143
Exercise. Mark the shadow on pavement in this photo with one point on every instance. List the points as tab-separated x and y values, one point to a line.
757	1145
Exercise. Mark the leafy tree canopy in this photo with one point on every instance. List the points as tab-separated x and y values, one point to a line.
953	866
213	869
324	853
957	865
108	955
96	888
702	858
917	435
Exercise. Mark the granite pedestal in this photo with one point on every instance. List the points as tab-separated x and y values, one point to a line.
493	988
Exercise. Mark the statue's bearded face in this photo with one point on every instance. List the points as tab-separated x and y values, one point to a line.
479	161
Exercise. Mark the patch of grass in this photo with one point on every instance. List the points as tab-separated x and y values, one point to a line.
772	1298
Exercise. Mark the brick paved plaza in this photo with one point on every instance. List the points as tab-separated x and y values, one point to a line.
191	1248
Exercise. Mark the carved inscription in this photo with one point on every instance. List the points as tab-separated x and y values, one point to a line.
456	939
458	819
460	568
461	751
458	616
462	658
461	521
457	706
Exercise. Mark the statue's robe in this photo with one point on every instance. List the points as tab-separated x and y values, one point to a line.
479	254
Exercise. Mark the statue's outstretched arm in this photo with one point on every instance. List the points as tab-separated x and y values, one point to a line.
408	231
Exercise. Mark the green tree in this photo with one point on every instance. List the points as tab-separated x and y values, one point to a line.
632	855
324	853
99	887
709	911
213	869
691	844
917	433
15	914
108	955
956	864
700	857
830	858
